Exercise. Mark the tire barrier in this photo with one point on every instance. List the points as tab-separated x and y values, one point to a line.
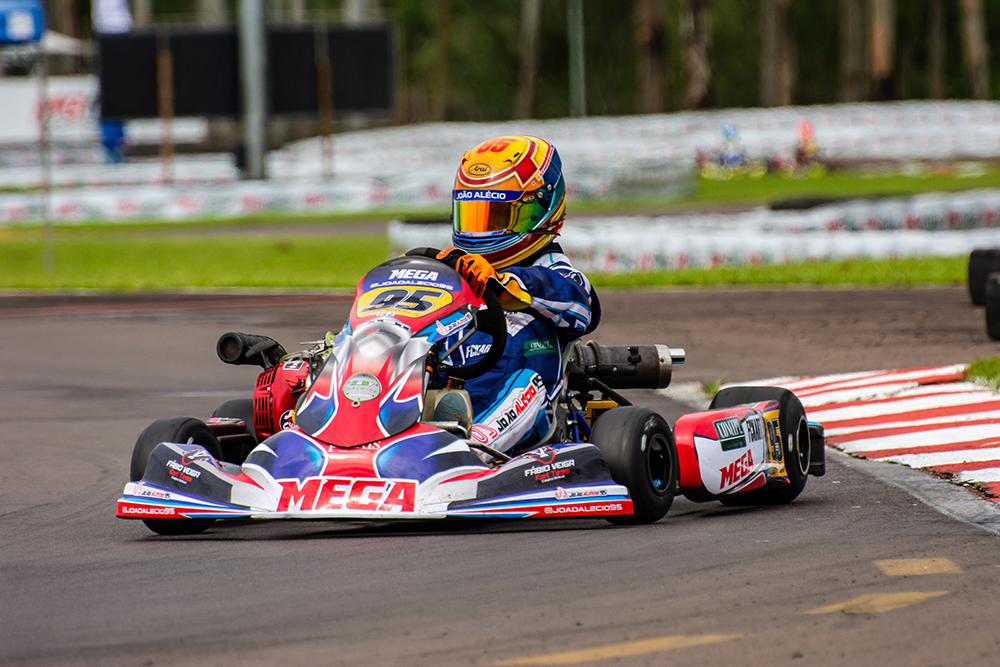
413	166
926	225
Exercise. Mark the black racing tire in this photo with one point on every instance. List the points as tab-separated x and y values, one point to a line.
182	430
982	262
992	303
641	454
796	448
239	408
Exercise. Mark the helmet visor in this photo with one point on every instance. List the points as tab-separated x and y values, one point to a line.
517	215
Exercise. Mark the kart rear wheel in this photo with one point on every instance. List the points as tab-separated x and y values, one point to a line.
238	408
982	262
182	430
641	454
796	449
236	448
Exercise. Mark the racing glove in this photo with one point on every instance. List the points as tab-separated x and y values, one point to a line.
478	272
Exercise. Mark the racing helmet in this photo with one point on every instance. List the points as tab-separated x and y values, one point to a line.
509	199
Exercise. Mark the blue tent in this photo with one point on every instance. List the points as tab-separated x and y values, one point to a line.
21	21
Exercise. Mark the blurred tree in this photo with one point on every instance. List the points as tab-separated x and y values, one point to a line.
853	55
439	73
651	44
530	17
777	58
935	51
697	26
974	49
882	48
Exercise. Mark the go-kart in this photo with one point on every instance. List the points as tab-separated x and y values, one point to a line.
373	423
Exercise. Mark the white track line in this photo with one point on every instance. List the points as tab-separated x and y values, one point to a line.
944	436
947	458
931	422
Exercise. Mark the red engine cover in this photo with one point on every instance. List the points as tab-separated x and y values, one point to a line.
277	391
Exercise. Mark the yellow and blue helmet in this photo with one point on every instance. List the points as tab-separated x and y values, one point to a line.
509	199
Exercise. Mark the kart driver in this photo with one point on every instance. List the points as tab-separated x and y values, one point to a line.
509	203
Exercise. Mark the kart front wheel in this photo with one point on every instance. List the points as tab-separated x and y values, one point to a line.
182	430
795	445
641	454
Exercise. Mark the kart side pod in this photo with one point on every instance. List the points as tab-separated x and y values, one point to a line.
627	366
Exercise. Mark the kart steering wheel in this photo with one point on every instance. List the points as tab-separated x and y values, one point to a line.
491	322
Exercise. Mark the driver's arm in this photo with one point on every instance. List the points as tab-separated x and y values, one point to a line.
554	292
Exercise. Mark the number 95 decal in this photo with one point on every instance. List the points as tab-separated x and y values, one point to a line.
404	301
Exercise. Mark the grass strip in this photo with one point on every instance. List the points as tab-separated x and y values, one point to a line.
117	262
123	264
985	371
871	272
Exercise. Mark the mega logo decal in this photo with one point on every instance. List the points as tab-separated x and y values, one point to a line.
415	274
736	470
181	472
347	493
730	433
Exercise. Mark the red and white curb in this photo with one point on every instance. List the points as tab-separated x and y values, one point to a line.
930	419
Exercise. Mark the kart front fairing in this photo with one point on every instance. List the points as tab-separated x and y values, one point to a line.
358	447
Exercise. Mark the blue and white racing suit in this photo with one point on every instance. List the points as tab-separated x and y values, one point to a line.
510	400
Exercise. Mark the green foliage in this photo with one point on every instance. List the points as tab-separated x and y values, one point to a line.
986	371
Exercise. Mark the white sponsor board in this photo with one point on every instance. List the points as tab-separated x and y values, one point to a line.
74	116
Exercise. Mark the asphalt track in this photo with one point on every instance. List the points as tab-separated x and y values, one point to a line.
816	582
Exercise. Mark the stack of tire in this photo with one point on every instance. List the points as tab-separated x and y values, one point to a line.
984	286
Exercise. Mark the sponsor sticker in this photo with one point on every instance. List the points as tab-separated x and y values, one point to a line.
294	365
550	472
480	169
483	434
143	510
566	494
539	346
193	455
584	509
182	473
287	420
730	433
445	330
362	387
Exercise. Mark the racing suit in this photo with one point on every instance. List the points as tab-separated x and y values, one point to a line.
509	401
